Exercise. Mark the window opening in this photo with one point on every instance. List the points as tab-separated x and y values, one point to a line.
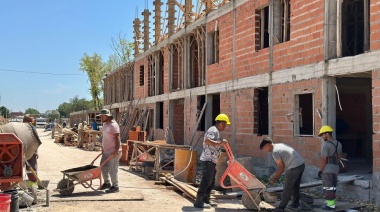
303	115
261	111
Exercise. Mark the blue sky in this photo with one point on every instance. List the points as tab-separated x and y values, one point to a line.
51	36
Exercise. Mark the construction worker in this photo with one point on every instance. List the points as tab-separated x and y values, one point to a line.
32	162
212	143
81	128
110	148
289	161
329	168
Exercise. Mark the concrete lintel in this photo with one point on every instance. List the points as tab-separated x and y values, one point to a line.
356	64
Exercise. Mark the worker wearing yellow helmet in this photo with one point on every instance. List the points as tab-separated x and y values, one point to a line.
212	144
329	168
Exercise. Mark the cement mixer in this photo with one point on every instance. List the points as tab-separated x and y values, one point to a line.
16	140
26	133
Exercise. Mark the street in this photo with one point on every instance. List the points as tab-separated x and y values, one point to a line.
54	158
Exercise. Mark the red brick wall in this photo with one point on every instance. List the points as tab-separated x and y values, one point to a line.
178	131
222	71
248	61
282	125
376	120
175	82
306	38
139	90
166	69
374	25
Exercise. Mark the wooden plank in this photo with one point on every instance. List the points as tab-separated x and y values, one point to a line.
341	179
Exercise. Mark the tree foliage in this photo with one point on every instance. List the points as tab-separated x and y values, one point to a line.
74	104
4	112
95	69
52	115
32	111
122	52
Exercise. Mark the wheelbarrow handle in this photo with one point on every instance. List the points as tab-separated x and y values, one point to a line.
92	163
104	162
227	147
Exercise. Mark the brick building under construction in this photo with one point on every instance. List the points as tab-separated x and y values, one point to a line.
279	68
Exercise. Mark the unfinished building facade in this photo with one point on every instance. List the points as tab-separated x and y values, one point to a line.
279	68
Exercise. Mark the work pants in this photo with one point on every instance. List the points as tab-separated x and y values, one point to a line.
207	181
292	186
329	182
110	169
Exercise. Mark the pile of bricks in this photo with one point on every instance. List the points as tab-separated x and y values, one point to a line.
136	134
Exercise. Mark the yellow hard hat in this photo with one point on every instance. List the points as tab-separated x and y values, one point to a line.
325	129
223	117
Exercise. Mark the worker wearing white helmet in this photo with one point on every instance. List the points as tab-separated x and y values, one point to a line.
212	144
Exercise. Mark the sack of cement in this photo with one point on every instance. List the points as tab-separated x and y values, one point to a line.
25	199
26	133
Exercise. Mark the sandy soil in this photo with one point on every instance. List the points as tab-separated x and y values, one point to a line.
54	158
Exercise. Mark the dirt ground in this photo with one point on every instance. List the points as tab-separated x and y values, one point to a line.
136	193
53	158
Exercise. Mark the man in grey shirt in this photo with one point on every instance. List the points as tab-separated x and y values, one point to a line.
329	168
290	162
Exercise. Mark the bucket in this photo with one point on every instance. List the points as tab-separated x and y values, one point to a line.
5	200
26	200
185	158
124	153
221	167
14	200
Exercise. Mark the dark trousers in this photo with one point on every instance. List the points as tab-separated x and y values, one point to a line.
207	181
329	182
292	186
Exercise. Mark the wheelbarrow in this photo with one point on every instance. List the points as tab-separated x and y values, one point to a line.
251	186
81	175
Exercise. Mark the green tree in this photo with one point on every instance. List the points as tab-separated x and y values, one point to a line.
74	104
65	109
4	112
95	69
52	115
32	111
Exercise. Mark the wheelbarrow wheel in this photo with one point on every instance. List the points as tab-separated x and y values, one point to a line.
248	203
65	187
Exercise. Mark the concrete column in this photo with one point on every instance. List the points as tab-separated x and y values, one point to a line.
329	102
171	17
157	21
137	33
330	29
188	11
209	6
146	28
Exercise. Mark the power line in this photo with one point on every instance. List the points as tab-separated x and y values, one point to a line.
33	72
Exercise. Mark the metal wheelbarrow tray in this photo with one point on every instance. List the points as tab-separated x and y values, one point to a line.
246	181
80	175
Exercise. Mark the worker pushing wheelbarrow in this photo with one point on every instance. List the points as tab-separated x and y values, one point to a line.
251	186
81	175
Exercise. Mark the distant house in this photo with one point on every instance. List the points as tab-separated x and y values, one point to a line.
15	114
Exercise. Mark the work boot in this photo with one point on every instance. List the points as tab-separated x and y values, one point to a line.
199	203
105	186
328	208
212	203
113	189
